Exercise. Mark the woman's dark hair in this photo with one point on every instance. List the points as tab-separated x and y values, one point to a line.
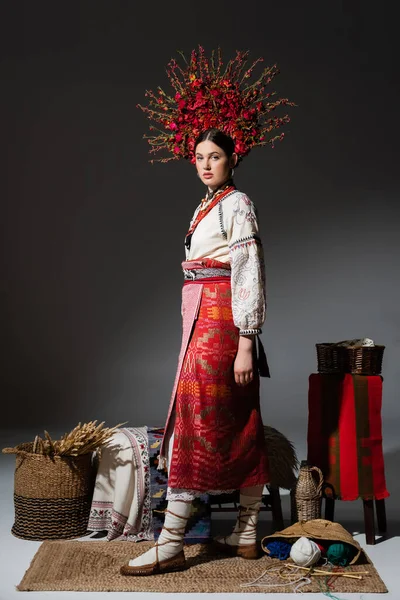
218	137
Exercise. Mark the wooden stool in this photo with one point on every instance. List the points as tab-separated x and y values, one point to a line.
369	518
271	501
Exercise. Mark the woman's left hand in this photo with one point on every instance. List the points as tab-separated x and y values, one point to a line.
243	367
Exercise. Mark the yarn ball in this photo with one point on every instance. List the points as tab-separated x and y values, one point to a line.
305	552
277	549
340	554
322	548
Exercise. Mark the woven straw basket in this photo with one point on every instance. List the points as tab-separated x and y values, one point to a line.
317	529
358	360
52	494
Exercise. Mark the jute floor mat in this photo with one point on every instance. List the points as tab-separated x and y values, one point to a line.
94	567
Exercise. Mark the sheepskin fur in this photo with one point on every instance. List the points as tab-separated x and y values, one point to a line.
283	462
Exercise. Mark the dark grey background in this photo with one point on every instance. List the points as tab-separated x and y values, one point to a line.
92	233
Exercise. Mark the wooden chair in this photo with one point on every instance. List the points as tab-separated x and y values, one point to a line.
271	502
368	509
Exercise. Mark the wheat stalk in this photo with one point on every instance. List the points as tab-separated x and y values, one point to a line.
82	439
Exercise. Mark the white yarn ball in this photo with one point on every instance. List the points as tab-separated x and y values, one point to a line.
305	552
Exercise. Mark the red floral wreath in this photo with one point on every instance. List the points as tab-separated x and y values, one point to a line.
206	96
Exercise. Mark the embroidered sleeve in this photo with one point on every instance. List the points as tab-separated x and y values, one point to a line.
247	264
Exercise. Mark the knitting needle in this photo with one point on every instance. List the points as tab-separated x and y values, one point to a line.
321	571
352	572
327	574
331	574
354	575
312	574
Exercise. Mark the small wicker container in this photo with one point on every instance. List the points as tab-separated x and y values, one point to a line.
308	493
358	360
317	529
52	494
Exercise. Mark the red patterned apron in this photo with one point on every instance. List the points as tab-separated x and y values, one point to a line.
218	431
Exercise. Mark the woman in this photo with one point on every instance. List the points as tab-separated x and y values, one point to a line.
214	440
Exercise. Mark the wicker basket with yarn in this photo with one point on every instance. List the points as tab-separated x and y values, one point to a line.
358	360
317	529
52	494
363	360
308	493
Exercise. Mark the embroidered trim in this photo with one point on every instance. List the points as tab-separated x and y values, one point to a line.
100	515
235	191
245	241
221	221
189	495
255	331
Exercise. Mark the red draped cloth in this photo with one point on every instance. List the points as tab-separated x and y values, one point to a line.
345	434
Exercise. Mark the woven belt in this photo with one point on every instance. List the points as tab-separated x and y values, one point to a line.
207	273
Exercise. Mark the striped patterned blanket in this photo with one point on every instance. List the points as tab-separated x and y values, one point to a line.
345	434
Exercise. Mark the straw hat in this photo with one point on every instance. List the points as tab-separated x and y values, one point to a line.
318	529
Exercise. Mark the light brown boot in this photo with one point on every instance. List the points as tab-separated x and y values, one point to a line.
243	540
167	554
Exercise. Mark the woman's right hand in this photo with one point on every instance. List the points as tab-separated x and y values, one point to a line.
243	367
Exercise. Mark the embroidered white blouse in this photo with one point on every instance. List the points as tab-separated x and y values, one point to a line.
230	233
